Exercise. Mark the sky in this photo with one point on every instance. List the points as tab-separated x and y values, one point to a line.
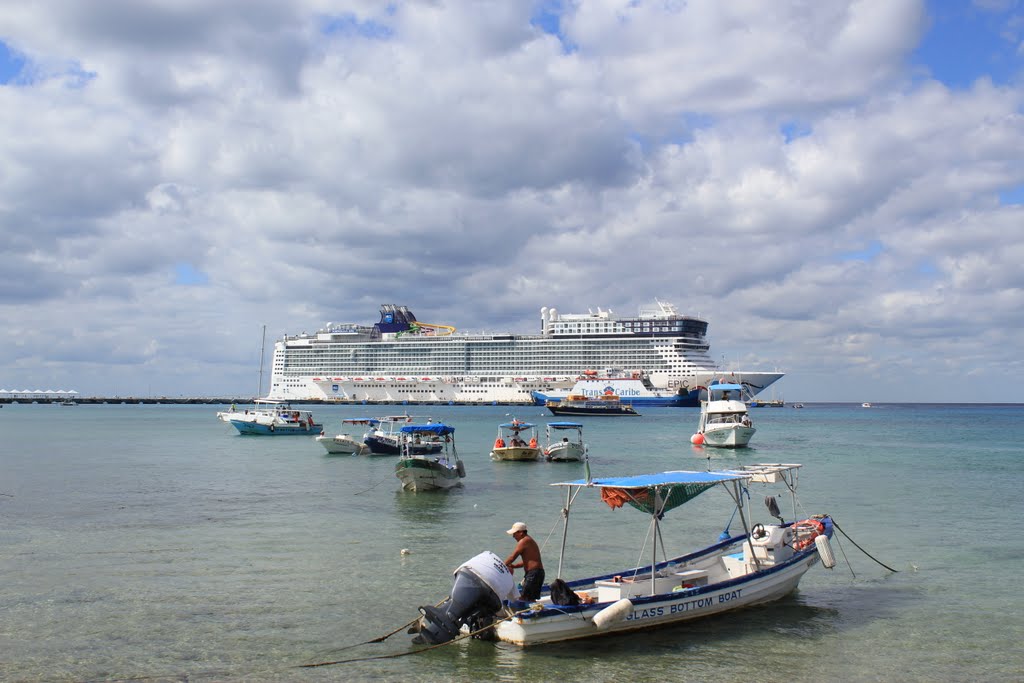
836	187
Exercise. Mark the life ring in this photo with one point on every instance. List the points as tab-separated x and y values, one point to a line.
499	443
806	531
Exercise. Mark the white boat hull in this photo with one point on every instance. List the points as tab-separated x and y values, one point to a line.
341	444
518	453
565	452
554	625
425	474
732	436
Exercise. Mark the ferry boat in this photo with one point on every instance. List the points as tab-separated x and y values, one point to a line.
630	388
401	359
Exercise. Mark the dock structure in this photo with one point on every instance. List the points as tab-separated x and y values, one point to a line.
208	400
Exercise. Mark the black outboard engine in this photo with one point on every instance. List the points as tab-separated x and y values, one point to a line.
479	588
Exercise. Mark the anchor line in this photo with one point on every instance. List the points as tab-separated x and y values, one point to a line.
862	549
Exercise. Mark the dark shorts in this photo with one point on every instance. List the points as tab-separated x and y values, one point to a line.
532	583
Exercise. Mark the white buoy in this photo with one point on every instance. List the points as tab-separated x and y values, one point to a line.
828	559
406	551
612	614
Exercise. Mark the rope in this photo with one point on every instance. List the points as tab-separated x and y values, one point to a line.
372	487
840	529
395	655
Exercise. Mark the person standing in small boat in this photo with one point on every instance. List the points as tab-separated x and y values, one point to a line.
529	553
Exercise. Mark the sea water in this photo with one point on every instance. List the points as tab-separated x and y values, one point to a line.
154	543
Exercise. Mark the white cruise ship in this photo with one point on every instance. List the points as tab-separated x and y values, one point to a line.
400	359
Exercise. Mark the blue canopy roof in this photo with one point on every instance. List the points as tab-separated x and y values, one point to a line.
643	481
433	428
725	387
655	493
516	425
564	425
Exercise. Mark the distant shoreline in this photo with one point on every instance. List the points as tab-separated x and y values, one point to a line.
205	400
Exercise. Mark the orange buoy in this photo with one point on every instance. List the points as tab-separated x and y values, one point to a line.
697	439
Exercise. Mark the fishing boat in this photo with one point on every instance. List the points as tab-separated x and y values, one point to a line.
760	565
516	440
385	437
724	420
274	418
427	472
346	443
579	404
564	441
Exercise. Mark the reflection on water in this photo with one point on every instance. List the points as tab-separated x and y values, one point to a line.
425	507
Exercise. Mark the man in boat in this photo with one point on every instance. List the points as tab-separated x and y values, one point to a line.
528	552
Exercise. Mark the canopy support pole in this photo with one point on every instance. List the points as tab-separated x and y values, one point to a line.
737	494
565	527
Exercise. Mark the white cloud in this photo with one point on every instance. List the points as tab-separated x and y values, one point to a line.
780	169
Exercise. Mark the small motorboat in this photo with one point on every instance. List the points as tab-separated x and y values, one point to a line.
274	418
346	443
564	441
724	421
385	437
427	472
762	564
516	440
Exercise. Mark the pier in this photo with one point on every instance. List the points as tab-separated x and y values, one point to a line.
206	400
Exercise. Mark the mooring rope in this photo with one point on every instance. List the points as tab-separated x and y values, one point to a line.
840	529
372	487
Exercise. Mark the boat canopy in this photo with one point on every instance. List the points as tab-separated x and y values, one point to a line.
434	428
361	421
565	425
516	425
656	493
725	387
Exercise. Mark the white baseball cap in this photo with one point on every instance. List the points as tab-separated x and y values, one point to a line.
518	526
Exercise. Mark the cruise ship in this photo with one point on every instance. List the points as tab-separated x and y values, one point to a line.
400	359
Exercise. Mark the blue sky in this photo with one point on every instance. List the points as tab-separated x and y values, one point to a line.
836	188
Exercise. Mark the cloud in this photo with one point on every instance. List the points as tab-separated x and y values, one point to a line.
174	175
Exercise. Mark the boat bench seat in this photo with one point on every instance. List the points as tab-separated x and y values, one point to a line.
735	565
697	577
610	591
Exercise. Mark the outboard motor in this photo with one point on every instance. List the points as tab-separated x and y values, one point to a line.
477	593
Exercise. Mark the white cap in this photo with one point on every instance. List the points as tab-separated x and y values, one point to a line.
518	526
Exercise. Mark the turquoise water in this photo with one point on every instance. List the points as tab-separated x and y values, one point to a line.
152	542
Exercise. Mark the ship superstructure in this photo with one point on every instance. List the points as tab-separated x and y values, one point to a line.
403	359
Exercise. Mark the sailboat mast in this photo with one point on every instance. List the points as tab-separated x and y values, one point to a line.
263	347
